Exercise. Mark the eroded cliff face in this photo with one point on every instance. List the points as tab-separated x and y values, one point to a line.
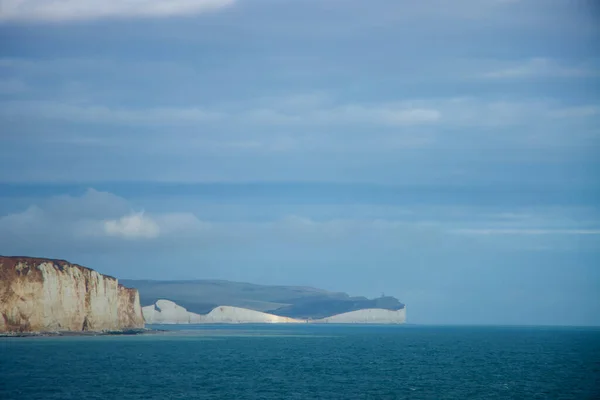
129	309
39	295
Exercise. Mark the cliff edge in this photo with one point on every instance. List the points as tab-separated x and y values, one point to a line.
42	295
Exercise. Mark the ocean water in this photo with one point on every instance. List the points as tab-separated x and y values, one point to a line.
307	362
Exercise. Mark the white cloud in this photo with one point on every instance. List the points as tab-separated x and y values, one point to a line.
134	226
94	216
540	68
67	10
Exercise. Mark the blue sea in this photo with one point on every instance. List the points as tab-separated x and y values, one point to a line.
307	362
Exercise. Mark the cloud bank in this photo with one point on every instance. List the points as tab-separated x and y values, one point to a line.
455	111
97	219
70	10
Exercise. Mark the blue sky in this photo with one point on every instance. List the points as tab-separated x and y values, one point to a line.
441	152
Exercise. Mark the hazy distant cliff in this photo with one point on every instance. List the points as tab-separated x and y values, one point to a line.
296	302
53	295
168	312
367	316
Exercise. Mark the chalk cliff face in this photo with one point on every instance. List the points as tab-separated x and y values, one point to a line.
39	295
167	312
367	316
237	315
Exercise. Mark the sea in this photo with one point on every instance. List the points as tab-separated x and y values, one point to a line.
307	362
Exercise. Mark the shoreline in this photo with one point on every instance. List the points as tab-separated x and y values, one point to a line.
129	332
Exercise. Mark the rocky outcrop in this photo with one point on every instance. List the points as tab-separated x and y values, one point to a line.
39	295
167	312
367	316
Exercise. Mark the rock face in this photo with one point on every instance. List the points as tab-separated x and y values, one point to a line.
236	315
38	295
167	312
368	316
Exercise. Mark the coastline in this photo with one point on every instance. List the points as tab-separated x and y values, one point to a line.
128	332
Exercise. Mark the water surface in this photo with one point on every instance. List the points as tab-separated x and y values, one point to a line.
307	362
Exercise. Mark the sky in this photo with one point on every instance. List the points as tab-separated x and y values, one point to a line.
442	152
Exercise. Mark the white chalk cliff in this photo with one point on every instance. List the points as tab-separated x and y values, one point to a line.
38	295
168	312
367	316
237	315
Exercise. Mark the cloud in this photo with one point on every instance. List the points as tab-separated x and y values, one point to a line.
97	219
102	223
92	204
453	111
577	112
378	114
540	68
181	223
110	115
487	232
69	10
473	112
93	216
134	226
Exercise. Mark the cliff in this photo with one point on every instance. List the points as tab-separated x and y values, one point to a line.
368	316
38	295
167	312
297	302
237	315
